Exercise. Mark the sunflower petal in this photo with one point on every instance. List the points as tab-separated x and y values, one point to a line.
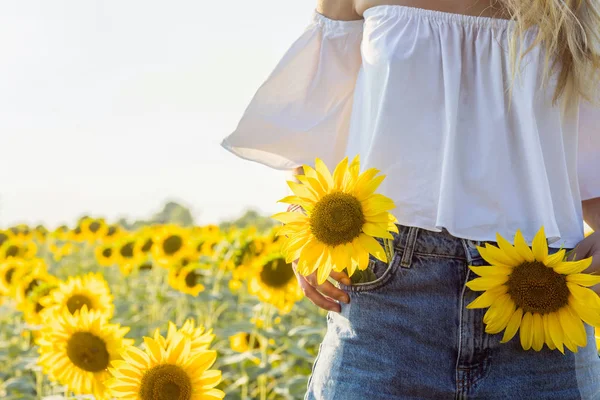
572	326
573	267
538	332
556	258
372	246
488	297
523	248
494	256
556	331
488	282
540	245
509	250
376	230
513	325
526	331
583	279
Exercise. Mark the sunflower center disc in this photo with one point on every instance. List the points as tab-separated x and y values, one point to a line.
9	274
147	246
127	250
165	382
34	283
537	289
94	226
337	219
191	279
12	251
172	244
88	352
276	273
107	252
77	301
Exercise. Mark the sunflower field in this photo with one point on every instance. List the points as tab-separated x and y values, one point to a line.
100	311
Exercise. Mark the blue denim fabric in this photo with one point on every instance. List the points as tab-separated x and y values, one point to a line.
409	335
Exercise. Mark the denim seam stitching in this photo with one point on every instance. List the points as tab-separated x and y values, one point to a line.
411	240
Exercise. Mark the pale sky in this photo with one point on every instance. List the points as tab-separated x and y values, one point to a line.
109	108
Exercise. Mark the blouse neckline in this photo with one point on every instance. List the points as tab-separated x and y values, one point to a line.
438	16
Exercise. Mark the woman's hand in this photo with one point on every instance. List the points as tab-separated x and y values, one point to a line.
590	247
323	295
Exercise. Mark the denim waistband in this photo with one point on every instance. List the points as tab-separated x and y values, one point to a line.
414	240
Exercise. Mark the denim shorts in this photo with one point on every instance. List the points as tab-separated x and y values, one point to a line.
407	334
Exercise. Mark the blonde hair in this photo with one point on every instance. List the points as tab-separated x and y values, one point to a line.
569	32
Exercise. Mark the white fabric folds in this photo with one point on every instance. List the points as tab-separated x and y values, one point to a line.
302	110
420	95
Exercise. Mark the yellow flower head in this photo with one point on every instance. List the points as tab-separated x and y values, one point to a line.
188	279
544	296
200	339
273	281
76	350
90	290
106	254
170	243
343	217
168	371
242	342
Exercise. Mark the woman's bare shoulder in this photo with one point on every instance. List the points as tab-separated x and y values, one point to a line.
338	9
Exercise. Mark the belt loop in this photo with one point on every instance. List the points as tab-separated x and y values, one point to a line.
409	246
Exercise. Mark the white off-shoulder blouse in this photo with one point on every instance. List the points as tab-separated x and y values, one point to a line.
422	96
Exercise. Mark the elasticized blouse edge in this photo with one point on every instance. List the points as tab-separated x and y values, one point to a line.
337	25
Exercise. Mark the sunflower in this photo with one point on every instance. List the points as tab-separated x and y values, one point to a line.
165	372
22	232
76	235
274	282
144	242
60	233
200	339
106	254
27	282
242	342
93	229
32	307
5	235
114	232
61	251
189	279
125	254
171	242
17	248
76	350
90	290
40	233
544	296
8	270
342	217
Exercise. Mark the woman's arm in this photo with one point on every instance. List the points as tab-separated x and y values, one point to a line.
591	213
338	9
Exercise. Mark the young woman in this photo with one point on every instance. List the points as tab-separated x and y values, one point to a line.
481	117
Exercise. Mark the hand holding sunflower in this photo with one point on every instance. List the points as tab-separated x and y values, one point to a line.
336	233
588	248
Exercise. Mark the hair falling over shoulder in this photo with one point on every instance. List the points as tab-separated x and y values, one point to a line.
569	32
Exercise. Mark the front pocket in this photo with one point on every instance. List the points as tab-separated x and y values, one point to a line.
376	276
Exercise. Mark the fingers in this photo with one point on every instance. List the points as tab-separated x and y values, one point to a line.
315	297
328	289
341	277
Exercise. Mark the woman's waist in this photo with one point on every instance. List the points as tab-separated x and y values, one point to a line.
440	242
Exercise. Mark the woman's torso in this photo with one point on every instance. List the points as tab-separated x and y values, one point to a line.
430	111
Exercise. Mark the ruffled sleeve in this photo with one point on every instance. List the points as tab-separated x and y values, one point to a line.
302	110
588	157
